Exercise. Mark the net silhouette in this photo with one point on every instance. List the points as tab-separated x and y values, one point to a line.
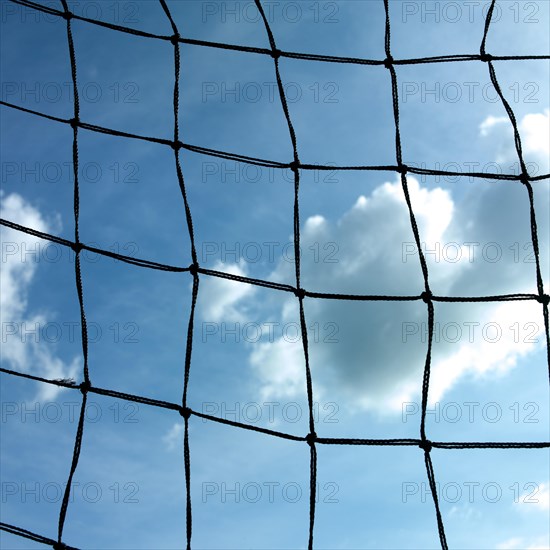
196	271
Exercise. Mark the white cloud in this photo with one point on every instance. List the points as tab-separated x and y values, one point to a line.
173	439
539	500
490	122
281	367
222	299
543	497
372	365
534	130
535	133
26	354
493	355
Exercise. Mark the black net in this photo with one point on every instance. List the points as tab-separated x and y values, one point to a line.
196	271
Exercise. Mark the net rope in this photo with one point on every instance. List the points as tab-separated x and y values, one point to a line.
195	270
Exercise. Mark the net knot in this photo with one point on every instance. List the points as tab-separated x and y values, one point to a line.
194	269
311	438
486	57
175	38
276	53
74	123
77	247
543	299
294	165
68	16
524	178
427	296
85	387
59	546
426	444
300	293
185	412
388	62
176	145
403	169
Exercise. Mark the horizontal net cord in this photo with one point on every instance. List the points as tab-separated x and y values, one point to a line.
281	53
405	442
83	246
161	141
447	445
265	283
266	163
14	530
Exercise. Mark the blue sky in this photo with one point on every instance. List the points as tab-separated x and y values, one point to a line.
249	490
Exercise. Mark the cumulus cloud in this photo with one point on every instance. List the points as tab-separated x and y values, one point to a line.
490	122
534	129
377	359
535	132
544	497
222	299
539	500
26	354
280	365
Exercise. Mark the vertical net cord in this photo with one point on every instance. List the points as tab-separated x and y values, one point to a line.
542	298
427	294
77	247
300	292
193	269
